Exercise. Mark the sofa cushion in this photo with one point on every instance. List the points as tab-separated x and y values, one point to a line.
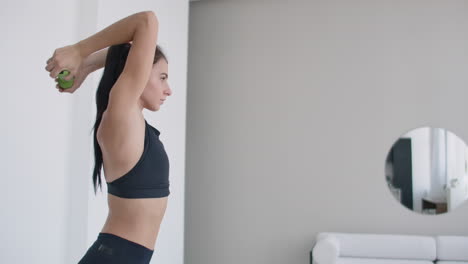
453	248
387	246
380	261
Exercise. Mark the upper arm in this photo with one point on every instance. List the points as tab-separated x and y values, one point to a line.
132	81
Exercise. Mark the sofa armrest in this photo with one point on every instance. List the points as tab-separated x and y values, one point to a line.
326	250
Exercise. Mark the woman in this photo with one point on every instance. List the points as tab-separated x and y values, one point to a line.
136	167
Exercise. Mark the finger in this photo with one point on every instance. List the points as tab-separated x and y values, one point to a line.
69	77
50	67
55	72
51	61
59	88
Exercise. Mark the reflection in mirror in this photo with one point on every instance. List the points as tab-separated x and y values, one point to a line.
426	170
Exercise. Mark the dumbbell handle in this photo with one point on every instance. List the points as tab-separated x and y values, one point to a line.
64	83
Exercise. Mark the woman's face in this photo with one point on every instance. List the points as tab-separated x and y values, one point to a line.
157	89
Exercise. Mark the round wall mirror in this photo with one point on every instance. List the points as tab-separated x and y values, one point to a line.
426	170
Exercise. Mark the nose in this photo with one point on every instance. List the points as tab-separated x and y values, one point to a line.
168	91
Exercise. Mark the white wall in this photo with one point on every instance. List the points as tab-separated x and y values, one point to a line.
35	133
292	109
456	170
438	164
420	156
49	213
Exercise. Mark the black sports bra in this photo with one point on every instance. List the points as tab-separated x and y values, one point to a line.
149	178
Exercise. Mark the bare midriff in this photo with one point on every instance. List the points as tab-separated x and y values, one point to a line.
137	220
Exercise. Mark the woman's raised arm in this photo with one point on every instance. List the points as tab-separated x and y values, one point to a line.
125	30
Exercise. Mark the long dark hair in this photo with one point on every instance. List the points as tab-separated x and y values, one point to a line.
115	62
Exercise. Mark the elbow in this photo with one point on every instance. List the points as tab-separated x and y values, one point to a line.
150	17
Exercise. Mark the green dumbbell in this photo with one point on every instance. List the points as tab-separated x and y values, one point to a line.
64	83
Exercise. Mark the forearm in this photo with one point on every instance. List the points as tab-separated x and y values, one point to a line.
119	32
96	61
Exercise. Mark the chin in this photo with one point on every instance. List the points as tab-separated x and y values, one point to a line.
152	108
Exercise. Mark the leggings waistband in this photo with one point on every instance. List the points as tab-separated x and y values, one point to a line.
119	242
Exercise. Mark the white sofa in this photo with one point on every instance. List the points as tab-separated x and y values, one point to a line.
452	249
354	248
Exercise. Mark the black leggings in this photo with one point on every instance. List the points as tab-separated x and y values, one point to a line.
112	249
